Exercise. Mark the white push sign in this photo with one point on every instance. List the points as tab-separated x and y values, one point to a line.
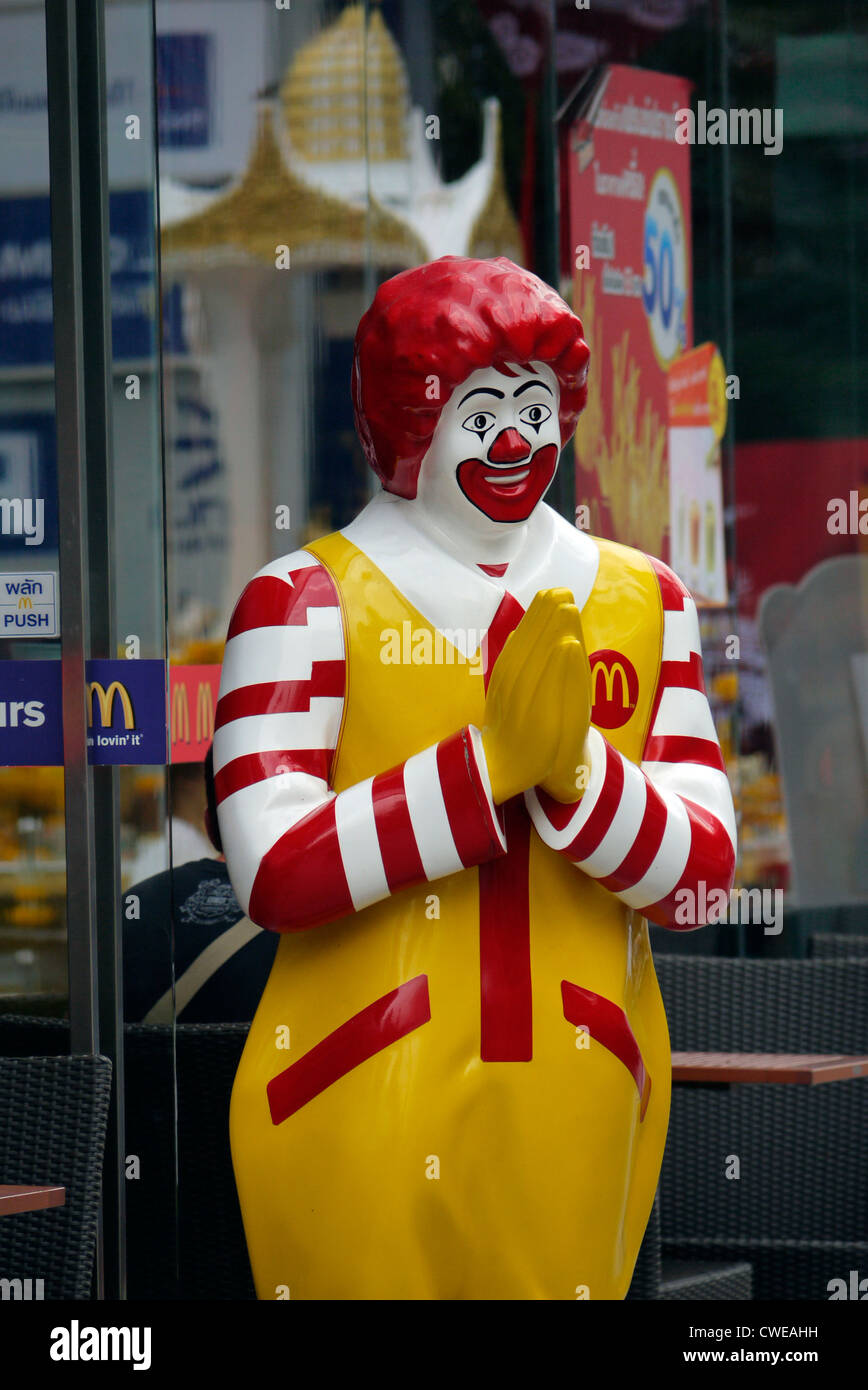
28	605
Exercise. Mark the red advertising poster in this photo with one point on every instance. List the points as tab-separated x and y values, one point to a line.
193	701
697	421
628	185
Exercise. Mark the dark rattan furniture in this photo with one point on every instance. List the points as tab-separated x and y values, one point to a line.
838	946
185	1237
771	1174
53	1113
685	1278
205	1255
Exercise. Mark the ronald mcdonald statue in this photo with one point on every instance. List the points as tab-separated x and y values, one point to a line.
463	754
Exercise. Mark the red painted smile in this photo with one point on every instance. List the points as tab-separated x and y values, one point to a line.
508	492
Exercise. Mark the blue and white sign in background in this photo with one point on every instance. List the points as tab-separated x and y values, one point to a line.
211	64
185	90
31	727
26	307
126	713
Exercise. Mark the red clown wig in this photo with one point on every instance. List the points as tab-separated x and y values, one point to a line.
429	328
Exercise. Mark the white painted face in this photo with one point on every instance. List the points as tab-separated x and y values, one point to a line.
494	451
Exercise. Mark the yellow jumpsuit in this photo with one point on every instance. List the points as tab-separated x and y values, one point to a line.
425	1172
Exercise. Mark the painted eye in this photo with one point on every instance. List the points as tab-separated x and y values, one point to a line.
479	423
535	415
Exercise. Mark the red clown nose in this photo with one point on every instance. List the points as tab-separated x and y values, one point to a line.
509	447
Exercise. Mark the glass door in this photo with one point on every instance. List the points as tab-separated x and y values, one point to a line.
83	744
33	938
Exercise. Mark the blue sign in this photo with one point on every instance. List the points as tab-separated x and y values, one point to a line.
184	89
132	262
126	712
26	304
31	726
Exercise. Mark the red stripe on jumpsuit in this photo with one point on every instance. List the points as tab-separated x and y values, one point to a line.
608	1025
506	1024
364	1035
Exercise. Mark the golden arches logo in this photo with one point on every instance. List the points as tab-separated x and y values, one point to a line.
25	602
204	712
613	702
180	714
609	673
106	700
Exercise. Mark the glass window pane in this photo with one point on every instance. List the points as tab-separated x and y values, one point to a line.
33	956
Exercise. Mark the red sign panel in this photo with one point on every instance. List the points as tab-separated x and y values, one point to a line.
193	701
629	220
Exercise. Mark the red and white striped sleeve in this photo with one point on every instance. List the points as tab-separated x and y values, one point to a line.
298	854
648	833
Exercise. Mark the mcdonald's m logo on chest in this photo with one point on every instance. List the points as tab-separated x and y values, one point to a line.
614	689
106	702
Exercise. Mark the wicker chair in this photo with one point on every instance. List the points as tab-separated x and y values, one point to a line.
202	1255
23	1035
41	1005
799	1206
765	1005
837	946
185	1238
647	1273
684	1277
53	1116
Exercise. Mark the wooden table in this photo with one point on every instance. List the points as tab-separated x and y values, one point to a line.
14	1199
720	1070
744	1068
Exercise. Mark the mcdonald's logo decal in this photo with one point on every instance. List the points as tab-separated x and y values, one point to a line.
193	703
614	689
25	602
205	712
106	700
126	712
180	714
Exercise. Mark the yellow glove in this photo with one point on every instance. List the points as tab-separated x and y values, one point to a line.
538	705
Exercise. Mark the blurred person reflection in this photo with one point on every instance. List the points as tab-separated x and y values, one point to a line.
219	960
189	841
